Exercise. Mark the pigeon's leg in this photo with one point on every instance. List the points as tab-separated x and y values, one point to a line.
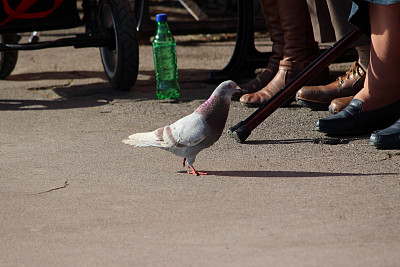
184	161
193	171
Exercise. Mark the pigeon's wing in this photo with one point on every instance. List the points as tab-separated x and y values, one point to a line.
186	132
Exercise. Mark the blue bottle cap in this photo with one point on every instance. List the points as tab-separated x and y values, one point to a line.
161	17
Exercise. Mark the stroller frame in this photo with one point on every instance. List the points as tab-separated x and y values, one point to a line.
109	25
94	35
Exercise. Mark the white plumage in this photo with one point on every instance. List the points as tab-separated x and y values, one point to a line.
189	135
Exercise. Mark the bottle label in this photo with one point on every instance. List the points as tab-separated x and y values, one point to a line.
165	62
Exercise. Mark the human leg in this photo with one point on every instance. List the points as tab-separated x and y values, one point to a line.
377	105
271	15
299	50
321	96
382	84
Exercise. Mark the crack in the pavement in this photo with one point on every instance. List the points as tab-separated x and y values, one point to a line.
66	183
50	86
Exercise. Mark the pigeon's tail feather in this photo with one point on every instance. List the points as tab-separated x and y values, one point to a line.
143	139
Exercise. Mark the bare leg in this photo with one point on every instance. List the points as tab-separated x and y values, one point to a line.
382	84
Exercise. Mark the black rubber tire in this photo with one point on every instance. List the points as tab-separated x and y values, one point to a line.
8	60
121	63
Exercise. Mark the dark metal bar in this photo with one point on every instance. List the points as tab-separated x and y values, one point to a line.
80	41
243	129
245	58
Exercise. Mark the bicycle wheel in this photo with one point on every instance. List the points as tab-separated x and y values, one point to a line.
120	62
8	59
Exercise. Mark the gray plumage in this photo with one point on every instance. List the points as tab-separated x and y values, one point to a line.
195	132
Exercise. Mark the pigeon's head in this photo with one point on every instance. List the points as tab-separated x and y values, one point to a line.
220	98
227	88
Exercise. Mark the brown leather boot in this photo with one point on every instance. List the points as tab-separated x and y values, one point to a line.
299	50
271	15
319	97
339	103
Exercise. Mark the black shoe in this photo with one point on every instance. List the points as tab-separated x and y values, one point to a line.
351	121
388	138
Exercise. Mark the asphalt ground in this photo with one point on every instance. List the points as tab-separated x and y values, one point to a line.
72	194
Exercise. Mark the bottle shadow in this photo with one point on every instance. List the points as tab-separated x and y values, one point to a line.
192	81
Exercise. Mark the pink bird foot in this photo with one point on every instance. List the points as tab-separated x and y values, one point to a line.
193	171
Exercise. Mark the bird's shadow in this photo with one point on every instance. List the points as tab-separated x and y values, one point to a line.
287	174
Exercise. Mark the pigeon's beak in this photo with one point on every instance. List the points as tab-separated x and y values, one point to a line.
238	89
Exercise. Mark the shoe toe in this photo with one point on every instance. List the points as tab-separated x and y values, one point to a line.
388	138
302	93
328	125
244	99
342	123
252	100
385	141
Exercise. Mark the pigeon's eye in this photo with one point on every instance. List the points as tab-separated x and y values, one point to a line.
230	86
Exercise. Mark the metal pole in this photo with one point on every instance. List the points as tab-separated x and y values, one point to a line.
243	129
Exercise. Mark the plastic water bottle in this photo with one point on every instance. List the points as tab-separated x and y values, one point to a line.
166	67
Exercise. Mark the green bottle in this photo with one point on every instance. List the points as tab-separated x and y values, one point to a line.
165	64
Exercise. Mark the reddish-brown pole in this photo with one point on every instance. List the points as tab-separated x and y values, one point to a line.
243	129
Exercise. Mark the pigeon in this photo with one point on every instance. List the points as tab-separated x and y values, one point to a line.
189	135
